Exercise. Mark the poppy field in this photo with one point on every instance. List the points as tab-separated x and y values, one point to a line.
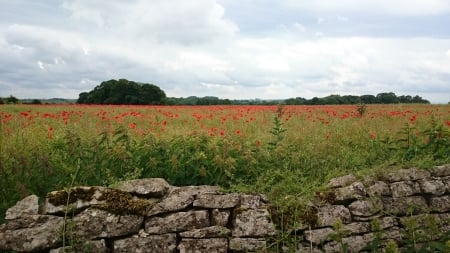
278	150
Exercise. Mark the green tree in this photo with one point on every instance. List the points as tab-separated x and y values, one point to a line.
123	91
12	100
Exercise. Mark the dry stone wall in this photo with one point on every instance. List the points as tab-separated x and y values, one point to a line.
149	215
145	215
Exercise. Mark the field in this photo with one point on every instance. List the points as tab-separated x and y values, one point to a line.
282	151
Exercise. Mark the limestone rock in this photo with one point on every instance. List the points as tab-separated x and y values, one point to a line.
176	222
407	174
31	233
208	232
248	244
95	223
328	215
404	188
148	187
366	207
434	187
26	206
349	193
216	245
440	204
166	243
254	201
341	181
220	217
98	246
405	205
179	198
253	223
379	188
441	171
221	201
318	236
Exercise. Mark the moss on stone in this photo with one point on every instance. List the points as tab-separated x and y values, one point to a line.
63	197
120	202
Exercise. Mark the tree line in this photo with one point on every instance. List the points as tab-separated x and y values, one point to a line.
123	91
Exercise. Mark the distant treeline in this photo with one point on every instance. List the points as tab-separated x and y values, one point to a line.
123	91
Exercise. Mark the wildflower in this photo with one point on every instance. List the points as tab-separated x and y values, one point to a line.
132	125
373	135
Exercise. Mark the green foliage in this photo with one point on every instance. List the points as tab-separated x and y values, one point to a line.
123	91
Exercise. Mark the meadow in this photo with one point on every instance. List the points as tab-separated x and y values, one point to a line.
286	152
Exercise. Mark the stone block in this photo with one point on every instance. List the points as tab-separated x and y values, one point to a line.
404	189
405	205
440	204
208	232
220	217
216	245
166	243
328	215
433	187
177	222
26	206
220	201
248	244
252	223
95	223
148	187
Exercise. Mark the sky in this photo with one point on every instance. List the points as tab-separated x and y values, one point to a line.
236	49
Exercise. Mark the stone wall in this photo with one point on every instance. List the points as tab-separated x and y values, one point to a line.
148	215
145	215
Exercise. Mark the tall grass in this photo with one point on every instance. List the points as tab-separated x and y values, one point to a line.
283	152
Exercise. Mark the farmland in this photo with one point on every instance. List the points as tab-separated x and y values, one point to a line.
278	150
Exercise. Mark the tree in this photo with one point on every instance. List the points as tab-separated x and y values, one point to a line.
387	98
12	100
123	91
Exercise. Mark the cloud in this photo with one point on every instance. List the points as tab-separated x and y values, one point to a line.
398	7
205	48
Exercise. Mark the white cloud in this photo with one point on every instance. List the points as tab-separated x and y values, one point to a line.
398	7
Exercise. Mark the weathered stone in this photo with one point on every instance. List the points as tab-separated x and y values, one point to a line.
404	188
318	236
80	198
440	204
341	181
379	188
221	201
166	243
407	174
405	205
220	217
180	197
248	244
208	232
31	233
328	215
349	193
354	243
149	187
84	246
366	207
434	187
175	201
216	245
440	171
253	201
355	228
252	223
26	206
95	223
176	222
